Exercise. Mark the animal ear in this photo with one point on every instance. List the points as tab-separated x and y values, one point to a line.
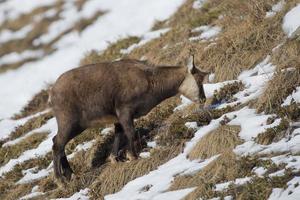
191	64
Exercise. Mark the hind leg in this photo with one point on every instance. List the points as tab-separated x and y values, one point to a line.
118	143
126	121
62	169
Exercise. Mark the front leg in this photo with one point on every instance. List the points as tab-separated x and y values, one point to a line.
114	157
126	120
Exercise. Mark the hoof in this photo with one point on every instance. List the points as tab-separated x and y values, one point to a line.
60	182
130	156
112	159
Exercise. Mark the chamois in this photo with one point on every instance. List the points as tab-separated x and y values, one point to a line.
114	93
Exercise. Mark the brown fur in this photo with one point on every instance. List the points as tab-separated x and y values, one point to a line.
115	92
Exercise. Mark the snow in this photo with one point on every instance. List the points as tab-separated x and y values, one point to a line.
43	148
160	179
228	198
260	171
294	97
293	162
81	195
11	9
239	181
277	173
33	174
275	9
18	57
210	88
292	192
147	37
184	103
291	21
151	144
107	131
263	67
211	77
255	81
9	125
207	32
7	35
191	125
117	23
69	17
291	144
174	195
198	4
256	123
145	154
34	193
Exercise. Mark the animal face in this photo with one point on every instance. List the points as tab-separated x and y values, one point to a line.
192	86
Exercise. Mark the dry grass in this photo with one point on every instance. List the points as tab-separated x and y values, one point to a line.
217	141
38	103
33	123
111	53
85	22
273	134
100	151
8	188
244	40
114	177
227	167
14	151
40	27
260	188
24	19
291	112
282	84
87	135
108	178
16	191
227	91
173	129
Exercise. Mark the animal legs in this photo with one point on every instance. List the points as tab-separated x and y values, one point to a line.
62	169
127	123
118	143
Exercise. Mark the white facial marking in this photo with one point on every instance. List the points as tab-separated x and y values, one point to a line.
190	64
189	88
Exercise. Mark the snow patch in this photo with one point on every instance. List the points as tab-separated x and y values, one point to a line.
147	37
292	192
34	193
81	195
294	97
207	32
18	57
275	9
198	4
184	103
291	22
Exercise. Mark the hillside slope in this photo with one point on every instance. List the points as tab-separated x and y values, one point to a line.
242	143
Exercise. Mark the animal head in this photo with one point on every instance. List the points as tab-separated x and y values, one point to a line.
192	85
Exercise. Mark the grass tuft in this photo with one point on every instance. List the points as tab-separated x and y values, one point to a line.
217	141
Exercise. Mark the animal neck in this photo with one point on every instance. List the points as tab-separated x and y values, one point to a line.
166	82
